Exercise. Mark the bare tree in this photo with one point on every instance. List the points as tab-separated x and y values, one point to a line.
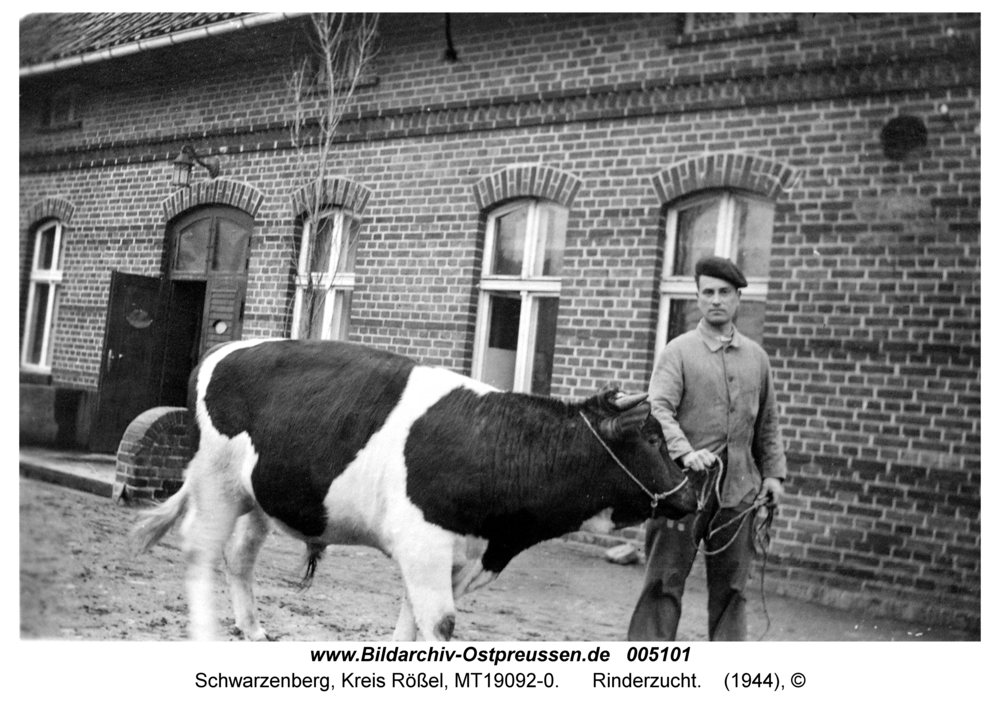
342	49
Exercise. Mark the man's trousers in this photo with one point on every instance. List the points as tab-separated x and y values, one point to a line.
671	548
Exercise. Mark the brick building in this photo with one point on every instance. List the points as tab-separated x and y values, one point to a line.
528	212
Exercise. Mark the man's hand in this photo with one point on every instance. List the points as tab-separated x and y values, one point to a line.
700	460
770	491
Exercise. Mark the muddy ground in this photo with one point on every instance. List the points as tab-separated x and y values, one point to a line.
79	582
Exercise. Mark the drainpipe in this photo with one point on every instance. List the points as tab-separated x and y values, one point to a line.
187	35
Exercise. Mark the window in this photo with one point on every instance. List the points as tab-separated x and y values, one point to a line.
519	296
703	21
212	241
324	284
729	224
62	108
43	297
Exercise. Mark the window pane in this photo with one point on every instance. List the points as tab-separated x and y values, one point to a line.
341	314
753	227
501	350
684	316
349	247
319	245
192	246
231	247
545	345
46	248
311	314
696	230
551	241
35	329
508	247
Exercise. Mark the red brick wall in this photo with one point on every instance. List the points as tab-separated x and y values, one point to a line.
873	313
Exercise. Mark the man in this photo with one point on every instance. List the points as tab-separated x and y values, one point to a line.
711	391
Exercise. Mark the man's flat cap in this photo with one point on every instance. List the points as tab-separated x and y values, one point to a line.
713	266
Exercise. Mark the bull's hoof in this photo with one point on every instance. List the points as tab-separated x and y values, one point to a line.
445	627
257	634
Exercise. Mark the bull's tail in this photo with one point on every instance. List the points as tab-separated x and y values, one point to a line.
157	521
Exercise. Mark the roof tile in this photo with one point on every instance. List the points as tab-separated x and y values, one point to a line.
49	36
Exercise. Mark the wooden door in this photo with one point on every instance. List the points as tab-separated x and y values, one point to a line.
132	359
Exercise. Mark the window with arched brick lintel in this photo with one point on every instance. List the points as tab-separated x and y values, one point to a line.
42	281
526	181
718	205
526	210
214	192
330	212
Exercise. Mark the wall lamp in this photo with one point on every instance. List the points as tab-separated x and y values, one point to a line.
187	159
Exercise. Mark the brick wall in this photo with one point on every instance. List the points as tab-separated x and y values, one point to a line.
154	452
873	312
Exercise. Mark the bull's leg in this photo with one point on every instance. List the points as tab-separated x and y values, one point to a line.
466	575
425	561
206	529
251	531
467	572
406	626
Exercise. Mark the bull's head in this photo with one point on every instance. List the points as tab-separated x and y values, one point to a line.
637	440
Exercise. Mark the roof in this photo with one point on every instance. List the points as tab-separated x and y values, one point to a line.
50	36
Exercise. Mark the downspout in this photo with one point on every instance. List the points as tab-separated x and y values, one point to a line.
142	45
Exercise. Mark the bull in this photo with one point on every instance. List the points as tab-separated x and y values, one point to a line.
338	443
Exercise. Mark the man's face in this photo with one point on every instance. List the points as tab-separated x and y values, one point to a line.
718	300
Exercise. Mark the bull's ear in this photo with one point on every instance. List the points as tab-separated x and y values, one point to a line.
628	421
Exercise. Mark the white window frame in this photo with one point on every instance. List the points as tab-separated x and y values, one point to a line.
530	289
53	278
332	322
683	286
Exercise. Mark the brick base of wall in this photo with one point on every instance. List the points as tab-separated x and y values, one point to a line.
874	599
56	417
153	454
784	577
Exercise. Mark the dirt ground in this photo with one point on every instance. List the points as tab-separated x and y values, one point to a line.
79	582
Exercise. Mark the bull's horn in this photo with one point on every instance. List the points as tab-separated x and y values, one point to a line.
626	402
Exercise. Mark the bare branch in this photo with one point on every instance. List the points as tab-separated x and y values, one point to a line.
323	89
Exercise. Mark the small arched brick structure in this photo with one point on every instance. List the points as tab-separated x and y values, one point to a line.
214	191
523	180
334	191
52	207
731	170
153	454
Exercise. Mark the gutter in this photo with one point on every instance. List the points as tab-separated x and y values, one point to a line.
143	45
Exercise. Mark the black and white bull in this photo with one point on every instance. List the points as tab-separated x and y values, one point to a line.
344	444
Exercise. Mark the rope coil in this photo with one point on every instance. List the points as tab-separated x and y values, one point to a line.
763	512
